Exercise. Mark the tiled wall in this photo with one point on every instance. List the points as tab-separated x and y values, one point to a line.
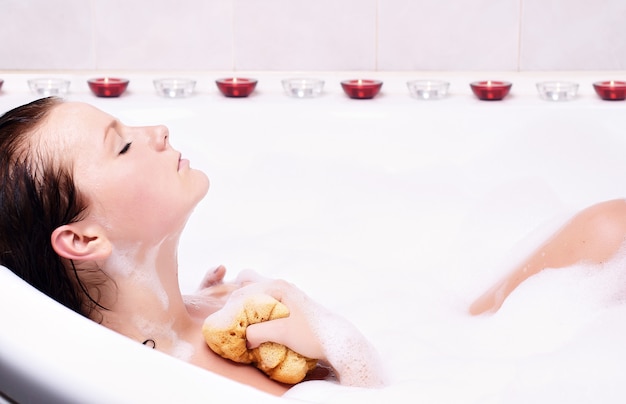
386	35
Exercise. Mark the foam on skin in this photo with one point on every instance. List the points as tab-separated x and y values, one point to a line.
138	266
180	348
140	271
355	361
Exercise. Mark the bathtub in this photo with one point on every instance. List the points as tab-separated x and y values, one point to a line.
394	213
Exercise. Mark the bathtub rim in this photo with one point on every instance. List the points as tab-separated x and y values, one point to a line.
43	377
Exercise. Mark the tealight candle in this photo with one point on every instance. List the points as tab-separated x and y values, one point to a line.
611	90
490	90
48	87
236	87
108	86
361	89
174	87
428	89
557	90
303	87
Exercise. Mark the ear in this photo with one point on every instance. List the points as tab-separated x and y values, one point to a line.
80	241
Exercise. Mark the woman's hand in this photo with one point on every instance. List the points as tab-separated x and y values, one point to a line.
213	277
212	293
313	331
296	331
213	284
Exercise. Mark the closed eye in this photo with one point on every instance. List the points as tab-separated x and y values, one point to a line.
125	148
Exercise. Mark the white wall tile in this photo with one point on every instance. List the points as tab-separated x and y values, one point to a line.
305	34
43	34
448	35
329	35
164	34
573	35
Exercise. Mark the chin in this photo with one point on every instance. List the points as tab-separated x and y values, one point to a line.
203	185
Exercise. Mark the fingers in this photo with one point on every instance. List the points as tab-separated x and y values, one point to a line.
213	277
294	333
267	331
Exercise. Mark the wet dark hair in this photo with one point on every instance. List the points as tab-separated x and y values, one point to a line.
37	195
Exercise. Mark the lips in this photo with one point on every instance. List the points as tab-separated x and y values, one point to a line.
182	162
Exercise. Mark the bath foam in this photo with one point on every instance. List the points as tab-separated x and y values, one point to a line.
141	271
122	260
152	276
547	311
355	360
183	350
180	348
138	265
583	287
225	333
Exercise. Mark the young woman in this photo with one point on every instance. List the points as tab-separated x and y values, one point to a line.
91	213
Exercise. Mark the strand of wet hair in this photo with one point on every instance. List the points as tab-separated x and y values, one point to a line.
82	287
149	342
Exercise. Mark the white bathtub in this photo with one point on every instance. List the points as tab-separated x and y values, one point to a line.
395	213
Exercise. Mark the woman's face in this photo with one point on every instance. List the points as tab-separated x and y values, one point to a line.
137	185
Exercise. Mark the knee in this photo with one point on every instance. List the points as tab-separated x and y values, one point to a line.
602	228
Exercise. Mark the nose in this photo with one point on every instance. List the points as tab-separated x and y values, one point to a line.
159	137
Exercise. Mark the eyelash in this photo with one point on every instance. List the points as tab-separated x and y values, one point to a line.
125	148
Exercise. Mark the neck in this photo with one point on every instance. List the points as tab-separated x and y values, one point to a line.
145	301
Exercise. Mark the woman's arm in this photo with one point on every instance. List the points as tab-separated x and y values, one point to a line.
315	332
594	235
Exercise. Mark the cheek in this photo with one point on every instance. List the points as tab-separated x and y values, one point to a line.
146	201
142	199
133	204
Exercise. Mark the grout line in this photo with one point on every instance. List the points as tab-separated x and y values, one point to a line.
377	36
519	35
94	42
232	50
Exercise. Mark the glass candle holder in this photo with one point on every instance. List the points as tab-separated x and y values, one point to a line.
610	90
236	86
361	89
303	87
174	87
49	87
490	90
557	90
108	86
428	89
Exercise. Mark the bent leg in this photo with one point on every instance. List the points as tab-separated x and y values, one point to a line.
593	235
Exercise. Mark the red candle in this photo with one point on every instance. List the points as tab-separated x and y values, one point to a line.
361	89
611	90
107	86
236	87
491	90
